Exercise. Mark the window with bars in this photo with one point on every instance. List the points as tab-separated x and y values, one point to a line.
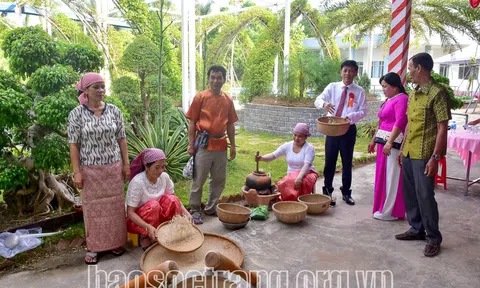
360	68
444	69
465	70
377	69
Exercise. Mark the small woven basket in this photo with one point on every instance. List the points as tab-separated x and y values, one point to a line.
317	203
332	125
289	211
186	245
233	213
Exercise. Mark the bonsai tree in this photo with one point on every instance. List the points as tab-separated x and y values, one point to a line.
141	58
34	165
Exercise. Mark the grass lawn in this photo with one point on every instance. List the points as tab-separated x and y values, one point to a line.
247	145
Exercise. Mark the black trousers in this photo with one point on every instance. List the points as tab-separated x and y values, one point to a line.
419	196
343	144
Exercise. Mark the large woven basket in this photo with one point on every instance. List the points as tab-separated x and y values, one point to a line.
195	260
183	246
332	125
290	211
233	213
317	203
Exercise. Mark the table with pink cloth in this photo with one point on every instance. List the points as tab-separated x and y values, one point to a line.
468	147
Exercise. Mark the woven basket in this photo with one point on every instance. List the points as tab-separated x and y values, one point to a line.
317	203
339	127
183	246
233	213
290	211
195	260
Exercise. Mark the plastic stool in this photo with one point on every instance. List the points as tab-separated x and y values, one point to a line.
134	238
439	179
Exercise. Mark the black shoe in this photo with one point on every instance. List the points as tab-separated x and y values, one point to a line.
431	249
411	236
329	192
348	199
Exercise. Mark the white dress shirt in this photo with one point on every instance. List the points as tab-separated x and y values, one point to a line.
355	107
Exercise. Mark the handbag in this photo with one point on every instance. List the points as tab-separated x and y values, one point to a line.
382	136
189	168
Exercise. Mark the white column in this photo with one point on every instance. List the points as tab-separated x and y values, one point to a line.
191	53
102	14
185	96
232	77
368	64
18	14
286	45
275	76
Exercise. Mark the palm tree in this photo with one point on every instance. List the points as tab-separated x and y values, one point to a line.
446	18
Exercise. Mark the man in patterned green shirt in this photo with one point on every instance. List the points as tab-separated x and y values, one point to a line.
424	145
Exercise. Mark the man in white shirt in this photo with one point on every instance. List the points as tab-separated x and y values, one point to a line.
347	100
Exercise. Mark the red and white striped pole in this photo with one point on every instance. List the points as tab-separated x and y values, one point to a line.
400	37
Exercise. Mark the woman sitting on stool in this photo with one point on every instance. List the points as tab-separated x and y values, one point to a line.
301	175
150	197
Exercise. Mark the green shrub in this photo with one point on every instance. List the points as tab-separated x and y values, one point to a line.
50	79
170	135
82	58
52	153
364	82
52	110
367	130
12	175
9	81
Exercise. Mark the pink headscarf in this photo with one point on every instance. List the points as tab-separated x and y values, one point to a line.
147	156
302	128
87	80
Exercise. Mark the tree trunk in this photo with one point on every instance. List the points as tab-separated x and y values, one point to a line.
37	132
46	195
60	190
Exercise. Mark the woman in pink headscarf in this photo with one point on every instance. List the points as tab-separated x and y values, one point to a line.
301	174
98	151
150	197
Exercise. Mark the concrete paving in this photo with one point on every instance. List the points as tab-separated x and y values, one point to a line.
345	244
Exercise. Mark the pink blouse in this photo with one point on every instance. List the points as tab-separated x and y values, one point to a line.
394	113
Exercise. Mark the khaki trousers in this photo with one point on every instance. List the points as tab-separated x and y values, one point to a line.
215	163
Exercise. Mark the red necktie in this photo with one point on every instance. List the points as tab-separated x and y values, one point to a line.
339	111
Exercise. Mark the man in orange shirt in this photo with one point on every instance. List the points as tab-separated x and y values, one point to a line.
211	114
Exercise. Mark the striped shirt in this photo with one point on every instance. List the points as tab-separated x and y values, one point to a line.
98	136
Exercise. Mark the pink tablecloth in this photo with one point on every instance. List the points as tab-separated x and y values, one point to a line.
463	142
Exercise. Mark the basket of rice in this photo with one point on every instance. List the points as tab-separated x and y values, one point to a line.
332	125
179	235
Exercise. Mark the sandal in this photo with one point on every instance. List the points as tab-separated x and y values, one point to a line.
197	219
91	258
118	251
145	242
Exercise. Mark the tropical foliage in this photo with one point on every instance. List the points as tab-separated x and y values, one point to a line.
33	118
170	135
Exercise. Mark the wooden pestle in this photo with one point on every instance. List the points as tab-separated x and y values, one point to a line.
218	261
258	154
154	277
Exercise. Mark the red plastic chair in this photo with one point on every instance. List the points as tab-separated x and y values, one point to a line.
439	179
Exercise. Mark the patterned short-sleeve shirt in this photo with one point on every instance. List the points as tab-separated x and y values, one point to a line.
97	136
427	106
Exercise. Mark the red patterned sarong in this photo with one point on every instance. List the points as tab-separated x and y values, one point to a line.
155	212
286	186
